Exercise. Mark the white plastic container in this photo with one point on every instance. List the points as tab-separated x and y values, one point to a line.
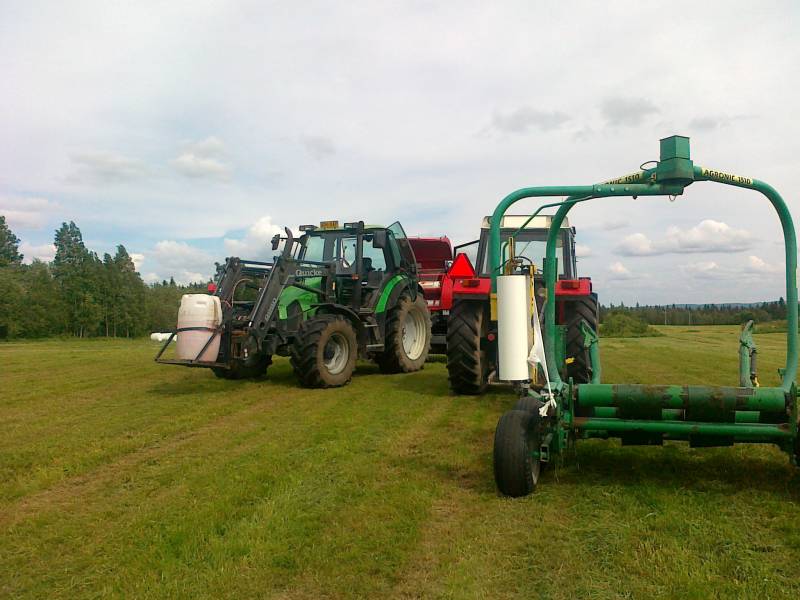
198	318
514	335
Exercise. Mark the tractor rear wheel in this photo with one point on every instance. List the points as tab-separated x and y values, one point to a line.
467	363
249	369
516	470
408	336
324	352
582	309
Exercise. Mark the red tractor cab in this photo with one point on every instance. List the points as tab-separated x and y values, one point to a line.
472	324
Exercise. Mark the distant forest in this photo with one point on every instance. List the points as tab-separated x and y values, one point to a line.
81	294
701	314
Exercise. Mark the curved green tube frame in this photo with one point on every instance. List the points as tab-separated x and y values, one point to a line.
643	184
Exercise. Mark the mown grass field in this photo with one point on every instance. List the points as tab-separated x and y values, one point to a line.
122	478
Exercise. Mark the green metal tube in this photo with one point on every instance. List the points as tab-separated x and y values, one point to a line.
754	430
597	190
790	248
746	347
708	398
677	414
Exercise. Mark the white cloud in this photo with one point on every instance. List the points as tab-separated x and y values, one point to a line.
615	224
759	265
619	271
582	251
203	159
319	147
708	236
44	252
636	244
526	117
105	167
255	243
627	111
26	213
185	263
137	259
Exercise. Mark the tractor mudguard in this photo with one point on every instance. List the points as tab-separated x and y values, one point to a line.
346	312
393	289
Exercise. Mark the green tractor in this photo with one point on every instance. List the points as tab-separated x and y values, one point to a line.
330	297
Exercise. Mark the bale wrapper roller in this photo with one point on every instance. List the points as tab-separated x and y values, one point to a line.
548	418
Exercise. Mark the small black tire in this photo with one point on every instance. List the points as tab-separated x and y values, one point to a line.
408	336
324	352
467	361
581	309
250	369
529	404
516	471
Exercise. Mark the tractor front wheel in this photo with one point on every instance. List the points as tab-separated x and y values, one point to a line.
324	352
516	469
467	363
408	336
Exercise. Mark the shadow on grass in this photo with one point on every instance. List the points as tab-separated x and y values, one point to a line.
676	466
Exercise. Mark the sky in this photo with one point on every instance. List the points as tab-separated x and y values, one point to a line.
191	131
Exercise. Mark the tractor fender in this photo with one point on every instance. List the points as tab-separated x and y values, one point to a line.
396	286
347	313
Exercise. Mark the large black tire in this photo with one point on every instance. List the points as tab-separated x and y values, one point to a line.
408	336
582	309
516	472
324	352
467	363
250	369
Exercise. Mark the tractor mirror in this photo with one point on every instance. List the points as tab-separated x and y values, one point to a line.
276	240
379	239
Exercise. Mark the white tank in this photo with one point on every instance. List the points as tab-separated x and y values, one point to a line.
204	313
513	327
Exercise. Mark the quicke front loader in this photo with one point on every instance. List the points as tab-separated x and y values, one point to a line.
333	295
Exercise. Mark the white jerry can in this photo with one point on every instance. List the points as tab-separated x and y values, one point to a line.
198	319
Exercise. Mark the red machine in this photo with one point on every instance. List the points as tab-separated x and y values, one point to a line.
458	293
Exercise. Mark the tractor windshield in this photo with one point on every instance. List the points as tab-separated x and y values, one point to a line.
532	244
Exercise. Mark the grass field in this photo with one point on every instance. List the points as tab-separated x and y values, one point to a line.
122	478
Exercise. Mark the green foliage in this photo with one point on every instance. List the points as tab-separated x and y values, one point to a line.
703	314
619	324
9	246
78	294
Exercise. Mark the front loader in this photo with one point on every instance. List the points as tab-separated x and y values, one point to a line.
333	295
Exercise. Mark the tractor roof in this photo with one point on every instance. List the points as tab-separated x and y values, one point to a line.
517	221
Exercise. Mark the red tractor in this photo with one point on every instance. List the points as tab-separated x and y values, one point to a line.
472	322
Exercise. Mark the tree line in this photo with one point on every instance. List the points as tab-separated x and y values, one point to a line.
701	314
79	293
83	295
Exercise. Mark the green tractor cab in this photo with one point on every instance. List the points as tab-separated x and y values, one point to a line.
331	296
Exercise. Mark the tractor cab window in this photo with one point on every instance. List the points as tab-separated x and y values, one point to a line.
533	246
374	259
317	248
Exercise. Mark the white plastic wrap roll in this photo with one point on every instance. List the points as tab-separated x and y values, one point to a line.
513	327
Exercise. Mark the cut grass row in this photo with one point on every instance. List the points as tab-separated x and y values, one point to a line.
123	478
